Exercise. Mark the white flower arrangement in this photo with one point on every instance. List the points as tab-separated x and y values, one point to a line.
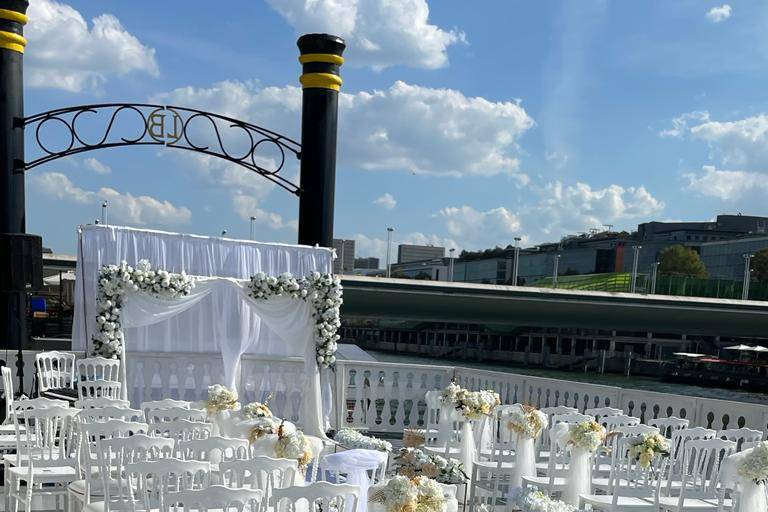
293	444
647	447
221	398
528	422
257	410
402	494
324	294
412	462
533	500
113	282
472	404
351	439
755	464
588	435
262	426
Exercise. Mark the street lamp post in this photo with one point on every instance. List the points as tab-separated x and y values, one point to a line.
341	267
253	227
104	206
554	271
389	251
516	261
747	276
633	285
450	266
654	273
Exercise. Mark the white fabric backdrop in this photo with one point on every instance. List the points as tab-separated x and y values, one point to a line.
216	317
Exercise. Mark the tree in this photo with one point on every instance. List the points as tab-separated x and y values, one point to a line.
681	261
760	265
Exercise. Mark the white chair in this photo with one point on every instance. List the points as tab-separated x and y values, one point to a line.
571	417
542	446
553	479
98	368
600	413
621	420
166	414
741	436
680	437
319	496
213	448
55	370
149	406
98	389
49	446
599	480
431	416
183	430
262	472
95	414
217	498
700	477
90	403
668	425
7	427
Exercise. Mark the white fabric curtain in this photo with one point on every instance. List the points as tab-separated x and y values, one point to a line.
218	316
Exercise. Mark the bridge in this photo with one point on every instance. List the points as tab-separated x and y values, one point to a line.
439	301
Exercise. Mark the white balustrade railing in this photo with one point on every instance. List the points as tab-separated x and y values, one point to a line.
386	397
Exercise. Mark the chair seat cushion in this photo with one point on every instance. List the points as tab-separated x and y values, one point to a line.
558	483
46	474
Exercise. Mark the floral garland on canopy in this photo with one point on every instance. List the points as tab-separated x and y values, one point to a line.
322	291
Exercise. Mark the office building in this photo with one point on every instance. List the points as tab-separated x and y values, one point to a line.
409	253
725	259
366	263
345	256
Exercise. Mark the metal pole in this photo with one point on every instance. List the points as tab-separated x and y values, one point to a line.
450	269
633	285
389	251
104	206
747	276
253	228
554	271
341	267
321	58
516	261
654	273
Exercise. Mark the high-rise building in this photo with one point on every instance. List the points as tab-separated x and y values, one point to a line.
367	263
407	253
345	256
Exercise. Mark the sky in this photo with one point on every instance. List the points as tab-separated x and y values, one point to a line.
462	124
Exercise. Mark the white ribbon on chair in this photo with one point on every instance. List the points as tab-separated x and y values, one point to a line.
525	461
578	479
356	464
467	447
751	495
448	416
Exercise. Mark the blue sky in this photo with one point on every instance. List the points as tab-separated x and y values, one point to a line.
459	125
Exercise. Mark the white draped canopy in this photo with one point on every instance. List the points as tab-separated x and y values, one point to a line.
218	315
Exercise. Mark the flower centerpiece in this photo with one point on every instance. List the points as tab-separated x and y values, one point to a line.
113	282
221	398
403	494
472	404
588	435
414	437
528	422
754	467
293	444
257	410
647	447
349	438
412	462
322	291
533	500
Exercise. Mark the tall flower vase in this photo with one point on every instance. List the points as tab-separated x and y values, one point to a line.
752	496
525	461
578	478
466	453
220	422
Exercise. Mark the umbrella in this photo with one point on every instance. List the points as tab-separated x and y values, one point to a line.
741	348
758	348
688	354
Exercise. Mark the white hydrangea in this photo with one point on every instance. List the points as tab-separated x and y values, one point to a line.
755	465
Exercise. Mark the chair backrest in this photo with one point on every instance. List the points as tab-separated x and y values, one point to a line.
147	485
116	452
165	414
165	403
626	432
741	436
571	417
55	370
681	437
98	389
217	498
21	406
669	425
433	420
261	472
700	468
49	436
98	368
621	420
213	448
90	403
7	393
111	413
550	412
183	430
599	413
92	433
628	477
318	495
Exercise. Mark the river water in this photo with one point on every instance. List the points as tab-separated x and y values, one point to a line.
608	379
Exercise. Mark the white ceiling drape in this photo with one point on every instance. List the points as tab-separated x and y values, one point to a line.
218	316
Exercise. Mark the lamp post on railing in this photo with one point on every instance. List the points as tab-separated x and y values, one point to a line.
389	251
104	206
516	261
253	227
554	271
747	276
654	273
633	285
450	263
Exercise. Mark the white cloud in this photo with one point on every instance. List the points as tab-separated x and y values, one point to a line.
66	54
96	166
366	246
402	128
476	229
248	206
386	201
137	210
749	188
719	14
379	34
681	124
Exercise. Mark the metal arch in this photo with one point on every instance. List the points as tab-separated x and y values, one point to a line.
183	118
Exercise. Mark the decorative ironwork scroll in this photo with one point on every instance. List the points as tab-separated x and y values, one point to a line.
264	151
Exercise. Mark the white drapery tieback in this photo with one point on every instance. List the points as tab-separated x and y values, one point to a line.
356	464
